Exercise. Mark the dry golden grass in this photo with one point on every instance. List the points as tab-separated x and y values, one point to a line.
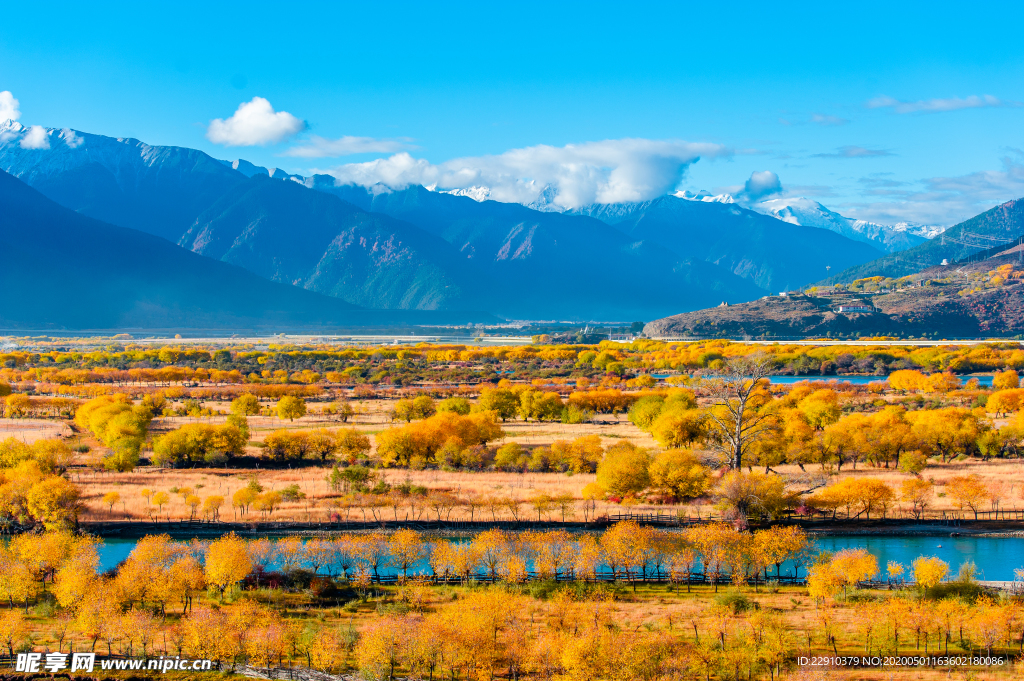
311	481
1005	477
30	430
371	417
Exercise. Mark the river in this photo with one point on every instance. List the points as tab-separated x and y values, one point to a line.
995	557
983	381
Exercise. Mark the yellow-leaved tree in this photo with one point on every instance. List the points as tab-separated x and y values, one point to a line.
227	562
680	474
929	571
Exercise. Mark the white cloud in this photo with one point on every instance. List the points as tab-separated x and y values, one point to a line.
610	171
760	185
939	105
823	119
254	123
939	200
854	152
321	147
71	139
36	138
9	107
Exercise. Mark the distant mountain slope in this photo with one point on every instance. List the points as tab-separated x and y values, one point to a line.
159	190
997	226
961	300
555	265
420	249
886	238
775	255
287	233
67	271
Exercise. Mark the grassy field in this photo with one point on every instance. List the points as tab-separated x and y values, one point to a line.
1004	477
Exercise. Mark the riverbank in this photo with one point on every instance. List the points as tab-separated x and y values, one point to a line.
191	530
206	529
954	528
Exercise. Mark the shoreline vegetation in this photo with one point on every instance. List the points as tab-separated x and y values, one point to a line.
187	529
650	603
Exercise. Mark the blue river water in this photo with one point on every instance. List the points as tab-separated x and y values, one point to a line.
983	381
995	557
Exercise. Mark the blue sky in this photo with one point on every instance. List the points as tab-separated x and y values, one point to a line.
882	111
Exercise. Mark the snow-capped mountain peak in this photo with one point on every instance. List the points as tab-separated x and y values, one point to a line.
799	210
704	196
475	193
917	229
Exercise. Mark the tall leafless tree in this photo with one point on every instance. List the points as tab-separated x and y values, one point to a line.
735	419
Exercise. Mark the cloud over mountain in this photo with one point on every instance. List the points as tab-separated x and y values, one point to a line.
760	185
255	123
35	138
9	107
609	171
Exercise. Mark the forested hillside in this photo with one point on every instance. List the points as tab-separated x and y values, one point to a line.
995	227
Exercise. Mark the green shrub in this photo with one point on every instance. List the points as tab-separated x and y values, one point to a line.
735	601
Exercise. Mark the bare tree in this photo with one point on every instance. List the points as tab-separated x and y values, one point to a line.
735	416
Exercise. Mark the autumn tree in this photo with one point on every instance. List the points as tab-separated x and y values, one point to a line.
737	416
54	502
407	549
352	444
425	440
717	544
968	491
918	493
889	435
227	562
928	572
1006	380
946	432
501	401
13	630
624	470
245	404
853	566
291	407
198	443
680	474
118	424
746	493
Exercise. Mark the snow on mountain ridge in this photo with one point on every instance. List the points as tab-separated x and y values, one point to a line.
810	213
704	196
478	194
